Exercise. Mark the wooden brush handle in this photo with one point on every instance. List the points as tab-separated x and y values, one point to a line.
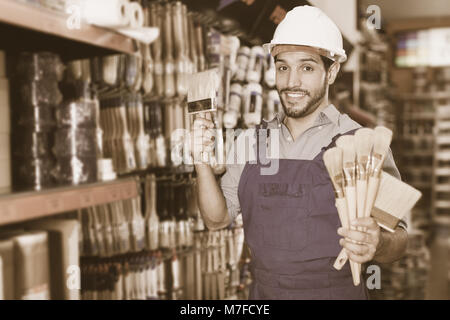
341	205
355	267
372	190
361	191
352	213
356	271
351	202
169	79
341	260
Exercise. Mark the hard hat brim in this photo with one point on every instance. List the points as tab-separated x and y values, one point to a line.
335	56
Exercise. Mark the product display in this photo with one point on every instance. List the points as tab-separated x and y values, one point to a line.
63	252
76	169
367	192
115	13
33	173
105	170
77	114
34	67
39	118
35	95
40	92
32	273
100	191
32	144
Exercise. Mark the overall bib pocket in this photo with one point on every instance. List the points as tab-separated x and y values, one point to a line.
283	217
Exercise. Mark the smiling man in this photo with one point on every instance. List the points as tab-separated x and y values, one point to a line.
290	220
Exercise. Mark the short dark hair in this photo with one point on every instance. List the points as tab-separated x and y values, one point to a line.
327	62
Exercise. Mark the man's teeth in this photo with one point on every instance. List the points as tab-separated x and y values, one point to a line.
295	95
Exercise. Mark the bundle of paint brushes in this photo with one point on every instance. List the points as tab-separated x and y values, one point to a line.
362	189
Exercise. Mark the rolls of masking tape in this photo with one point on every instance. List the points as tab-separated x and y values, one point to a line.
4	106
136	15
106	13
2	64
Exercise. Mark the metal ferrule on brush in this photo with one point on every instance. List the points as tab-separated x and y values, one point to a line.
349	174
337	186
363	168
375	165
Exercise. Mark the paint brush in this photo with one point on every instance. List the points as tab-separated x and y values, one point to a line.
156	14
202	96
363	146
180	52
169	72
347	144
382	138
334	163
394	199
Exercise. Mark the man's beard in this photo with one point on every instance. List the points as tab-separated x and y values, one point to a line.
310	107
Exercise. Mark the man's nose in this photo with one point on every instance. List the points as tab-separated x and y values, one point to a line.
294	79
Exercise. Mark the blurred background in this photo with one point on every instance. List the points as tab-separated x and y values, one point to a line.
98	197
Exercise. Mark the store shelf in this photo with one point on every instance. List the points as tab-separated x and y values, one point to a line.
424	96
420	116
421	185
442	188
50	22
19	207
417	153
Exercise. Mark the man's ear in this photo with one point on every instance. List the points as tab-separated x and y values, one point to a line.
333	72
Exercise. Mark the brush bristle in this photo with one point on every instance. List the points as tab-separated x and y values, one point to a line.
396	197
382	138
347	144
333	161
203	85
363	142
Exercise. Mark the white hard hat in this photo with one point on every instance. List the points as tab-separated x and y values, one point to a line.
309	26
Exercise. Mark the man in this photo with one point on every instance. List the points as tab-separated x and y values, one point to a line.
290	219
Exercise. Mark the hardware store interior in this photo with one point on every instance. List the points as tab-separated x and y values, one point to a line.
99	197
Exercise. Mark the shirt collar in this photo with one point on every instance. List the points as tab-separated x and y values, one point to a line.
329	114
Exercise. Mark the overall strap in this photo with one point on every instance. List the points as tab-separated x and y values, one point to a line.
261	144
333	141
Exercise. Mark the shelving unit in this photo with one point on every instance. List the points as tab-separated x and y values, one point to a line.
20	207
23	27
49	29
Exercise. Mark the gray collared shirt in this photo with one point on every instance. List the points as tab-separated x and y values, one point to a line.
329	123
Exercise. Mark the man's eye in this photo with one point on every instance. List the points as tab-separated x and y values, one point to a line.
308	68
282	68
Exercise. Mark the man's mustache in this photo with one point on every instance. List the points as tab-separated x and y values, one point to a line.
305	92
